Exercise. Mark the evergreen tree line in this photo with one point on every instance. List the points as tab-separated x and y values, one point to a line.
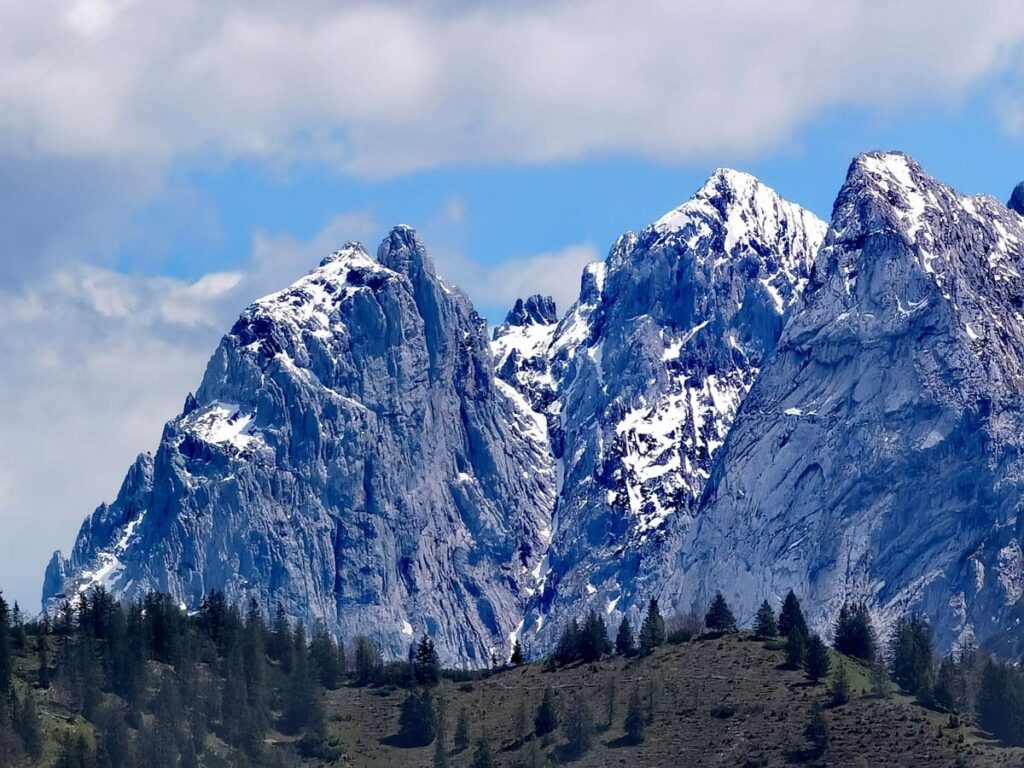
153	681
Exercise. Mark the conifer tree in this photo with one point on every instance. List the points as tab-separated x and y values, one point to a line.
569	642
300	700
635	723
280	643
43	654
816	661
791	616
324	654
579	726
816	731
945	694
517	659
764	622
610	695
719	617
426	665
440	734
652	631
18	628
460	741
519	723
29	727
840	689
6	656
625	645
367	659
854	633
796	648
546	719
593	638
880	685
417	720
910	649
254	660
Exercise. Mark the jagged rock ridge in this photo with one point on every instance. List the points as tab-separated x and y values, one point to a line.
879	453
349	454
641	379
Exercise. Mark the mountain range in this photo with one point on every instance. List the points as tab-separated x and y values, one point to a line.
743	398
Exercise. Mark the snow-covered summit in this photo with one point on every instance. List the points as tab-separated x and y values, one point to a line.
643	375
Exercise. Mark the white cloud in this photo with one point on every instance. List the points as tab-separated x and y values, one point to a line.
386	88
495	287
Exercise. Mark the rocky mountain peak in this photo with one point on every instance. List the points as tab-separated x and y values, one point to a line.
536	310
1016	203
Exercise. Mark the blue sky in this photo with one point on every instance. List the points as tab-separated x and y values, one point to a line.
164	163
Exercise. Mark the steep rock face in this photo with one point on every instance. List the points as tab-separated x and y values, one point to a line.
1016	203
349	454
879	453
642	379
520	346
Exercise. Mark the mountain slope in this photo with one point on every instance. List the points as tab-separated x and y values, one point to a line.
879	453
349	454
641	379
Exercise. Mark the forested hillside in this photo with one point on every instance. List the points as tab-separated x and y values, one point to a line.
101	685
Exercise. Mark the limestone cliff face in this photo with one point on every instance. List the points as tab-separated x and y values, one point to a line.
640	382
878	455
349	454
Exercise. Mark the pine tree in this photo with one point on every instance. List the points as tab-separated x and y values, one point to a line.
910	648
517	659
280	645
579	727
652	631
635	723
300	699
519	723
946	684
791	616
6	656
1001	702
18	636
569	642
43	653
719	617
816	661
426	664
610	695
880	684
854	633
764	622
461	738
440	735
254	661
114	749
323	652
796	648
840	689
593	638
816	731
625	645
417	721
546	719
367	659
29	727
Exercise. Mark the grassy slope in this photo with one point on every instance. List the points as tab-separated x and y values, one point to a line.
696	686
